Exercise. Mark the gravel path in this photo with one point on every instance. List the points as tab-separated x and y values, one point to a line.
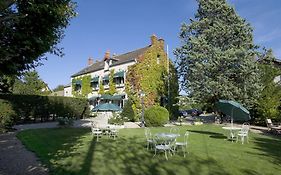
15	159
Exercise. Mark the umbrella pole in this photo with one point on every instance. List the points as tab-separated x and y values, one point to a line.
232	116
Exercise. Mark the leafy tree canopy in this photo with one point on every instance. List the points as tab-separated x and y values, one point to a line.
59	88
269	102
28	29
217	56
30	84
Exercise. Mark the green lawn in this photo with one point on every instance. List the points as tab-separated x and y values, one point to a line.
74	151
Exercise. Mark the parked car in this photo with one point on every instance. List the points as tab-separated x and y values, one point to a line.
183	113
194	112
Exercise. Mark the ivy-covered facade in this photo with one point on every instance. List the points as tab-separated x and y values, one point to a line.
119	77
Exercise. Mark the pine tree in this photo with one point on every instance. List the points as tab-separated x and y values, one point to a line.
128	111
216	60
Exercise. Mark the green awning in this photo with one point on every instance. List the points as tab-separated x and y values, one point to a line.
106	77
78	82
107	107
110	97
95	79
93	98
119	74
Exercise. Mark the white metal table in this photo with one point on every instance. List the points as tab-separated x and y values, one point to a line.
232	131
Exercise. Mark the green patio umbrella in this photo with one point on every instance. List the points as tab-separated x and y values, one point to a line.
234	109
107	107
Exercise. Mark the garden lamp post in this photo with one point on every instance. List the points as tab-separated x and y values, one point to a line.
142	94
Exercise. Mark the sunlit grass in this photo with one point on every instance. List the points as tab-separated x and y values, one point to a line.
75	151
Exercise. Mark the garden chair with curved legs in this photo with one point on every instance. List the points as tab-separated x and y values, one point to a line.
149	138
174	130
244	133
183	144
165	146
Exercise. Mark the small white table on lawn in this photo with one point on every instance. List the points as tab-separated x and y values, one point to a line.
167	136
232	131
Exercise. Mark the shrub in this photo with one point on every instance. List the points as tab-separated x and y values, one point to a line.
156	116
117	119
7	115
64	121
128	111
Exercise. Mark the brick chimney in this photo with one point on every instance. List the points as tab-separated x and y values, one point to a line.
90	61
162	42
153	39
107	55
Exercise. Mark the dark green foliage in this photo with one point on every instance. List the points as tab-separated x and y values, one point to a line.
7	115
156	116
269	102
65	122
128	111
217	57
33	107
172	92
28	29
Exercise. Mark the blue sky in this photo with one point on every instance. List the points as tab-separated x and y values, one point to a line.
125	25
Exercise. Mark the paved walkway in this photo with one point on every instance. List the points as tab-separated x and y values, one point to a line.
15	159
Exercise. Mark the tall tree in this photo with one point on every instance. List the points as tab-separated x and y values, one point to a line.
30	84
269	102
28	29
59	88
216	59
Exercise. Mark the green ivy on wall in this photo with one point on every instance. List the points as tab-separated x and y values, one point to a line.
101	87
112	87
85	86
150	76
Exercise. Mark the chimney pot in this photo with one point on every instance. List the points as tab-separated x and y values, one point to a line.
153	39
107	55
162	42
90	61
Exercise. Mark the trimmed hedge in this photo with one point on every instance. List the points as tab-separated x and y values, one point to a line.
7	115
34	107
156	116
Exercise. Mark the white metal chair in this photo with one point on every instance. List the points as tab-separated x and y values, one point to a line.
244	133
174	130
96	132
149	138
183	144
165	146
113	133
